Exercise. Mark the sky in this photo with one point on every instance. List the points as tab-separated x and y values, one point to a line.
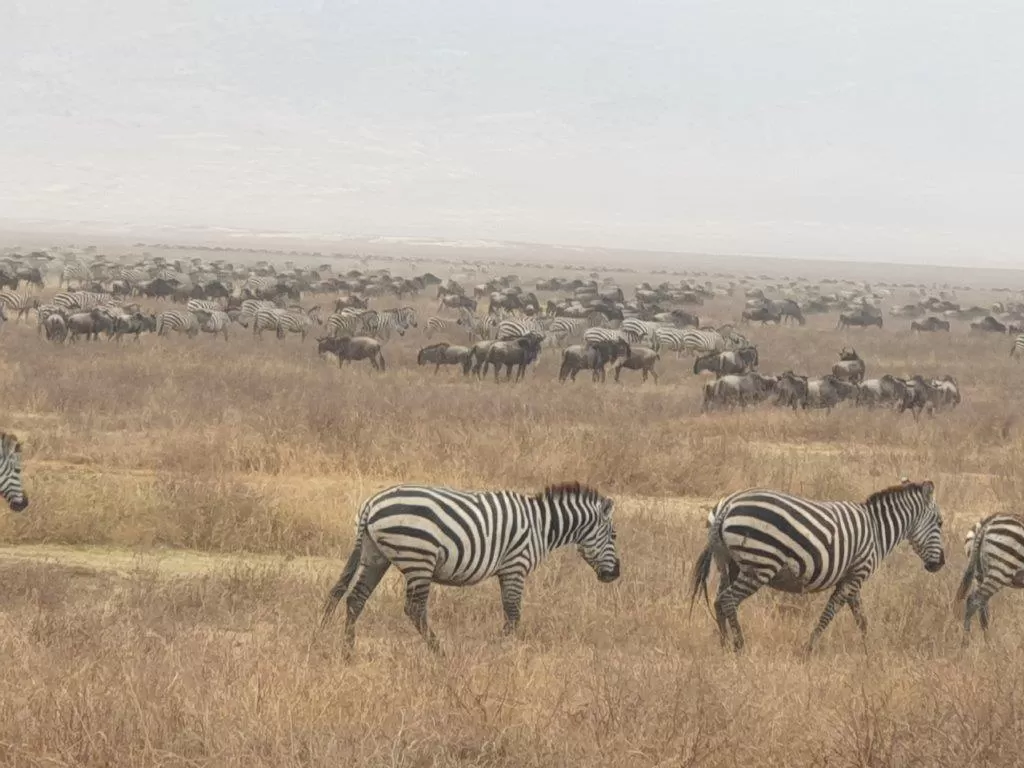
866	130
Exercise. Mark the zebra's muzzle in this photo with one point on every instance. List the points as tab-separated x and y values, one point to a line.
935	565
608	576
19	503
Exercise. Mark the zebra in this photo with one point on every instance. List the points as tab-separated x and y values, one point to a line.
292	321
177	320
458	538
19	302
216	321
435	324
702	341
203	305
670	339
598	335
482	328
83	300
636	330
995	559
381	324
761	537
344	324
10	473
564	328
508	330
74	270
1018	347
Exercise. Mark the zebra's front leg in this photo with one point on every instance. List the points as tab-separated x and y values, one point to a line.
511	598
840	596
417	593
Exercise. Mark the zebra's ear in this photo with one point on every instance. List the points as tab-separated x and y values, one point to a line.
607	508
928	487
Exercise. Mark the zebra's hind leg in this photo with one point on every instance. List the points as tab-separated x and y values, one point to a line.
977	603
728	600
360	593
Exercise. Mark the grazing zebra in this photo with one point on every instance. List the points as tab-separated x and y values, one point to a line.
435	324
636	330
265	319
1018	347
761	537
460	538
203	305
382	323
703	341
19	302
178	320
995	559
83	300
216	321
10	472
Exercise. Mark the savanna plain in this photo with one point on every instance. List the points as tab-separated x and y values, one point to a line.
193	501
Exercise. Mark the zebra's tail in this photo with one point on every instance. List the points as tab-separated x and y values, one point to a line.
974	566
701	573
340	589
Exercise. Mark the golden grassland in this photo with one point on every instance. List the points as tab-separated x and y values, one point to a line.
192	501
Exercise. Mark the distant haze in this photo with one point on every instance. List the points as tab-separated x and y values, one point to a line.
872	130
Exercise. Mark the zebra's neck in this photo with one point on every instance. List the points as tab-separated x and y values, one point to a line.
559	523
891	522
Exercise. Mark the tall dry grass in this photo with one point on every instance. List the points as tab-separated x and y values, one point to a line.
254	447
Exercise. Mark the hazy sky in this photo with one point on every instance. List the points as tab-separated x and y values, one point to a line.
870	129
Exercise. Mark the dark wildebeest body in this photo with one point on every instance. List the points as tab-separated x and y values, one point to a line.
850	367
886	391
828	391
929	325
791	391
731	389
348	348
91	324
446	354
516	352
859	320
135	324
593	356
736	361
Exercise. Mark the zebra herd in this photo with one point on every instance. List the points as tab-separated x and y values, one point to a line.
755	538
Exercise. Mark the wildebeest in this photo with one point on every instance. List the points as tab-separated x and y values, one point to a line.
859	319
828	391
91	324
593	356
886	391
735	361
446	354
850	367
639	359
478	355
56	327
791	391
929	325
516	352
348	348
763	314
931	396
136	323
730	390
988	324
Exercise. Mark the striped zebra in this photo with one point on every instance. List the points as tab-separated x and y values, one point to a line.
344	323
76	271
217	321
1018	347
443	324
637	331
672	339
83	300
481	327
203	305
10	473
703	341
459	538
995	559
18	301
43	311
508	330
381	324
181	321
564	328
598	335
760	537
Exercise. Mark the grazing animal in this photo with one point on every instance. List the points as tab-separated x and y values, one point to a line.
435	324
446	354
859	320
886	391
619	343
930	325
457	538
995	559
850	367
763	314
988	324
19	302
215	321
180	321
639	359
593	357
381	324
478	355
518	352
732	389
703	341
734	361
90	324
10	474
348	348
763	538
136	323
791	391
828	391
1017	350
56	327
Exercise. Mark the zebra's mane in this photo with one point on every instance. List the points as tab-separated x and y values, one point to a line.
554	492
8	443
895	490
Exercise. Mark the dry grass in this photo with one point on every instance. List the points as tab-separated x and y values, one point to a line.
205	654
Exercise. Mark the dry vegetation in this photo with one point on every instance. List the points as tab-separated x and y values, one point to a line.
192	502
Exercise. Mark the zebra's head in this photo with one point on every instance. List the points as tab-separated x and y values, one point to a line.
10	472
925	531
597	547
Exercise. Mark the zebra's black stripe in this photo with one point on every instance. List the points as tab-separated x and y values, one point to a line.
459	538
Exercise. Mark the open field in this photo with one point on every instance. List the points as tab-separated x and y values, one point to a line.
192	501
